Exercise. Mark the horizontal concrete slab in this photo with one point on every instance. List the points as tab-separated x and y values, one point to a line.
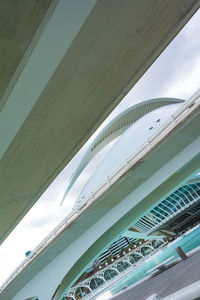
166	165
19	22
114	47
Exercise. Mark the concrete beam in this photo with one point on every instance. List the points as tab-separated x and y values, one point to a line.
139	188
60	98
166	165
20	21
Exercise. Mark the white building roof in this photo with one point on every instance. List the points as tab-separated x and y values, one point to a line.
115	128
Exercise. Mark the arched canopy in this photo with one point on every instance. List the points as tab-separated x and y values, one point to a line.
96	282
115	128
82	291
110	273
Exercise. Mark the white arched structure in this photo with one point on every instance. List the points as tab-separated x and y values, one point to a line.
116	128
157	168
115	267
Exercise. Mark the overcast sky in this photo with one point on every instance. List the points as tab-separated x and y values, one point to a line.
174	74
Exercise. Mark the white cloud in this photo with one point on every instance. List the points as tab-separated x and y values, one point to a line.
187	81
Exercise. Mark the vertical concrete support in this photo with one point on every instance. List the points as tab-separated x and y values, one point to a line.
181	253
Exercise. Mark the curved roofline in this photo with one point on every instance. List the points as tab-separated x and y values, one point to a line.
115	128
108	130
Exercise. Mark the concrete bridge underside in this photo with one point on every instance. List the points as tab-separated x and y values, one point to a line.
168	163
78	59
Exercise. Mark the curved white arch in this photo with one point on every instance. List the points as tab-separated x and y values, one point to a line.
115	128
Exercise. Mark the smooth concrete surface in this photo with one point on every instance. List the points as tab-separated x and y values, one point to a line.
166	165
177	277
35	70
19	22
114	46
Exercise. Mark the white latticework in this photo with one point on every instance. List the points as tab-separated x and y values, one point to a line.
180	200
124	264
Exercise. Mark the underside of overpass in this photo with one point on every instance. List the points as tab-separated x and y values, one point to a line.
168	163
120	191
64	66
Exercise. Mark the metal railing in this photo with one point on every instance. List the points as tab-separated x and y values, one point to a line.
163	130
